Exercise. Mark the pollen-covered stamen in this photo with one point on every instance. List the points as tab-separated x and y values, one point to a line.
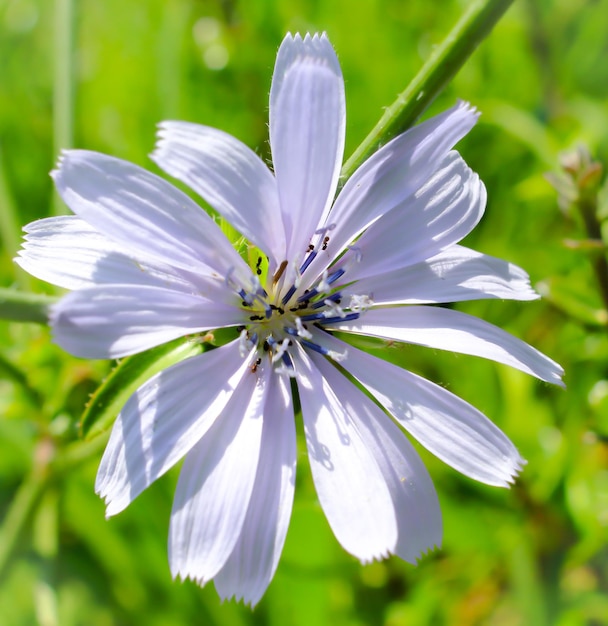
323	319
324	284
335	297
333	309
257	294
280	350
301	329
246	343
309	259
256	286
332	354
360	303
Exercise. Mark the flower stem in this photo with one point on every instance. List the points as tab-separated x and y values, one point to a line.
18	306
445	61
588	208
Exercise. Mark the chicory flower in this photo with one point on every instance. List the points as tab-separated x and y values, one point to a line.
147	265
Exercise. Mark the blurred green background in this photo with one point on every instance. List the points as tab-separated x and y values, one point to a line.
101	75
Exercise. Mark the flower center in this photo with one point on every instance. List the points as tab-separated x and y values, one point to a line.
280	314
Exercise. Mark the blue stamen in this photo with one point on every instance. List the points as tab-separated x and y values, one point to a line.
334	277
337	319
308	295
287	360
308	261
288	295
312	317
336	297
314	346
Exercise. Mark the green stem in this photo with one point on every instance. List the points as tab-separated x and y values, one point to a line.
588	207
43	475
10	232
63	85
18	306
445	61
18	515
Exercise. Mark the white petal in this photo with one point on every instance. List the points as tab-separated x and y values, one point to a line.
255	557
137	209
445	329
414	497
454	275
307	121
443	211
215	485
163	419
229	176
68	252
391	175
113	321
447	426
350	484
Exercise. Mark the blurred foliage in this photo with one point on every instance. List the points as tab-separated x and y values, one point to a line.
533	555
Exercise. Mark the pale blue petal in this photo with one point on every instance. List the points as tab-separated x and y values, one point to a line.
414	496
445	329
390	176
454	275
216	483
229	176
252	564
137	209
349	482
113	321
307	121
442	212
69	253
447	426
164	419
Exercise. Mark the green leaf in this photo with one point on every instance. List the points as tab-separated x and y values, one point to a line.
126	378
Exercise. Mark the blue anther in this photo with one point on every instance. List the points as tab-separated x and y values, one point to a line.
287	360
308	295
288	295
334	277
308	261
312	317
314	346
336	297
337	319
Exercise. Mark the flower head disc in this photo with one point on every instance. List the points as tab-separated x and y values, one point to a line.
147	265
